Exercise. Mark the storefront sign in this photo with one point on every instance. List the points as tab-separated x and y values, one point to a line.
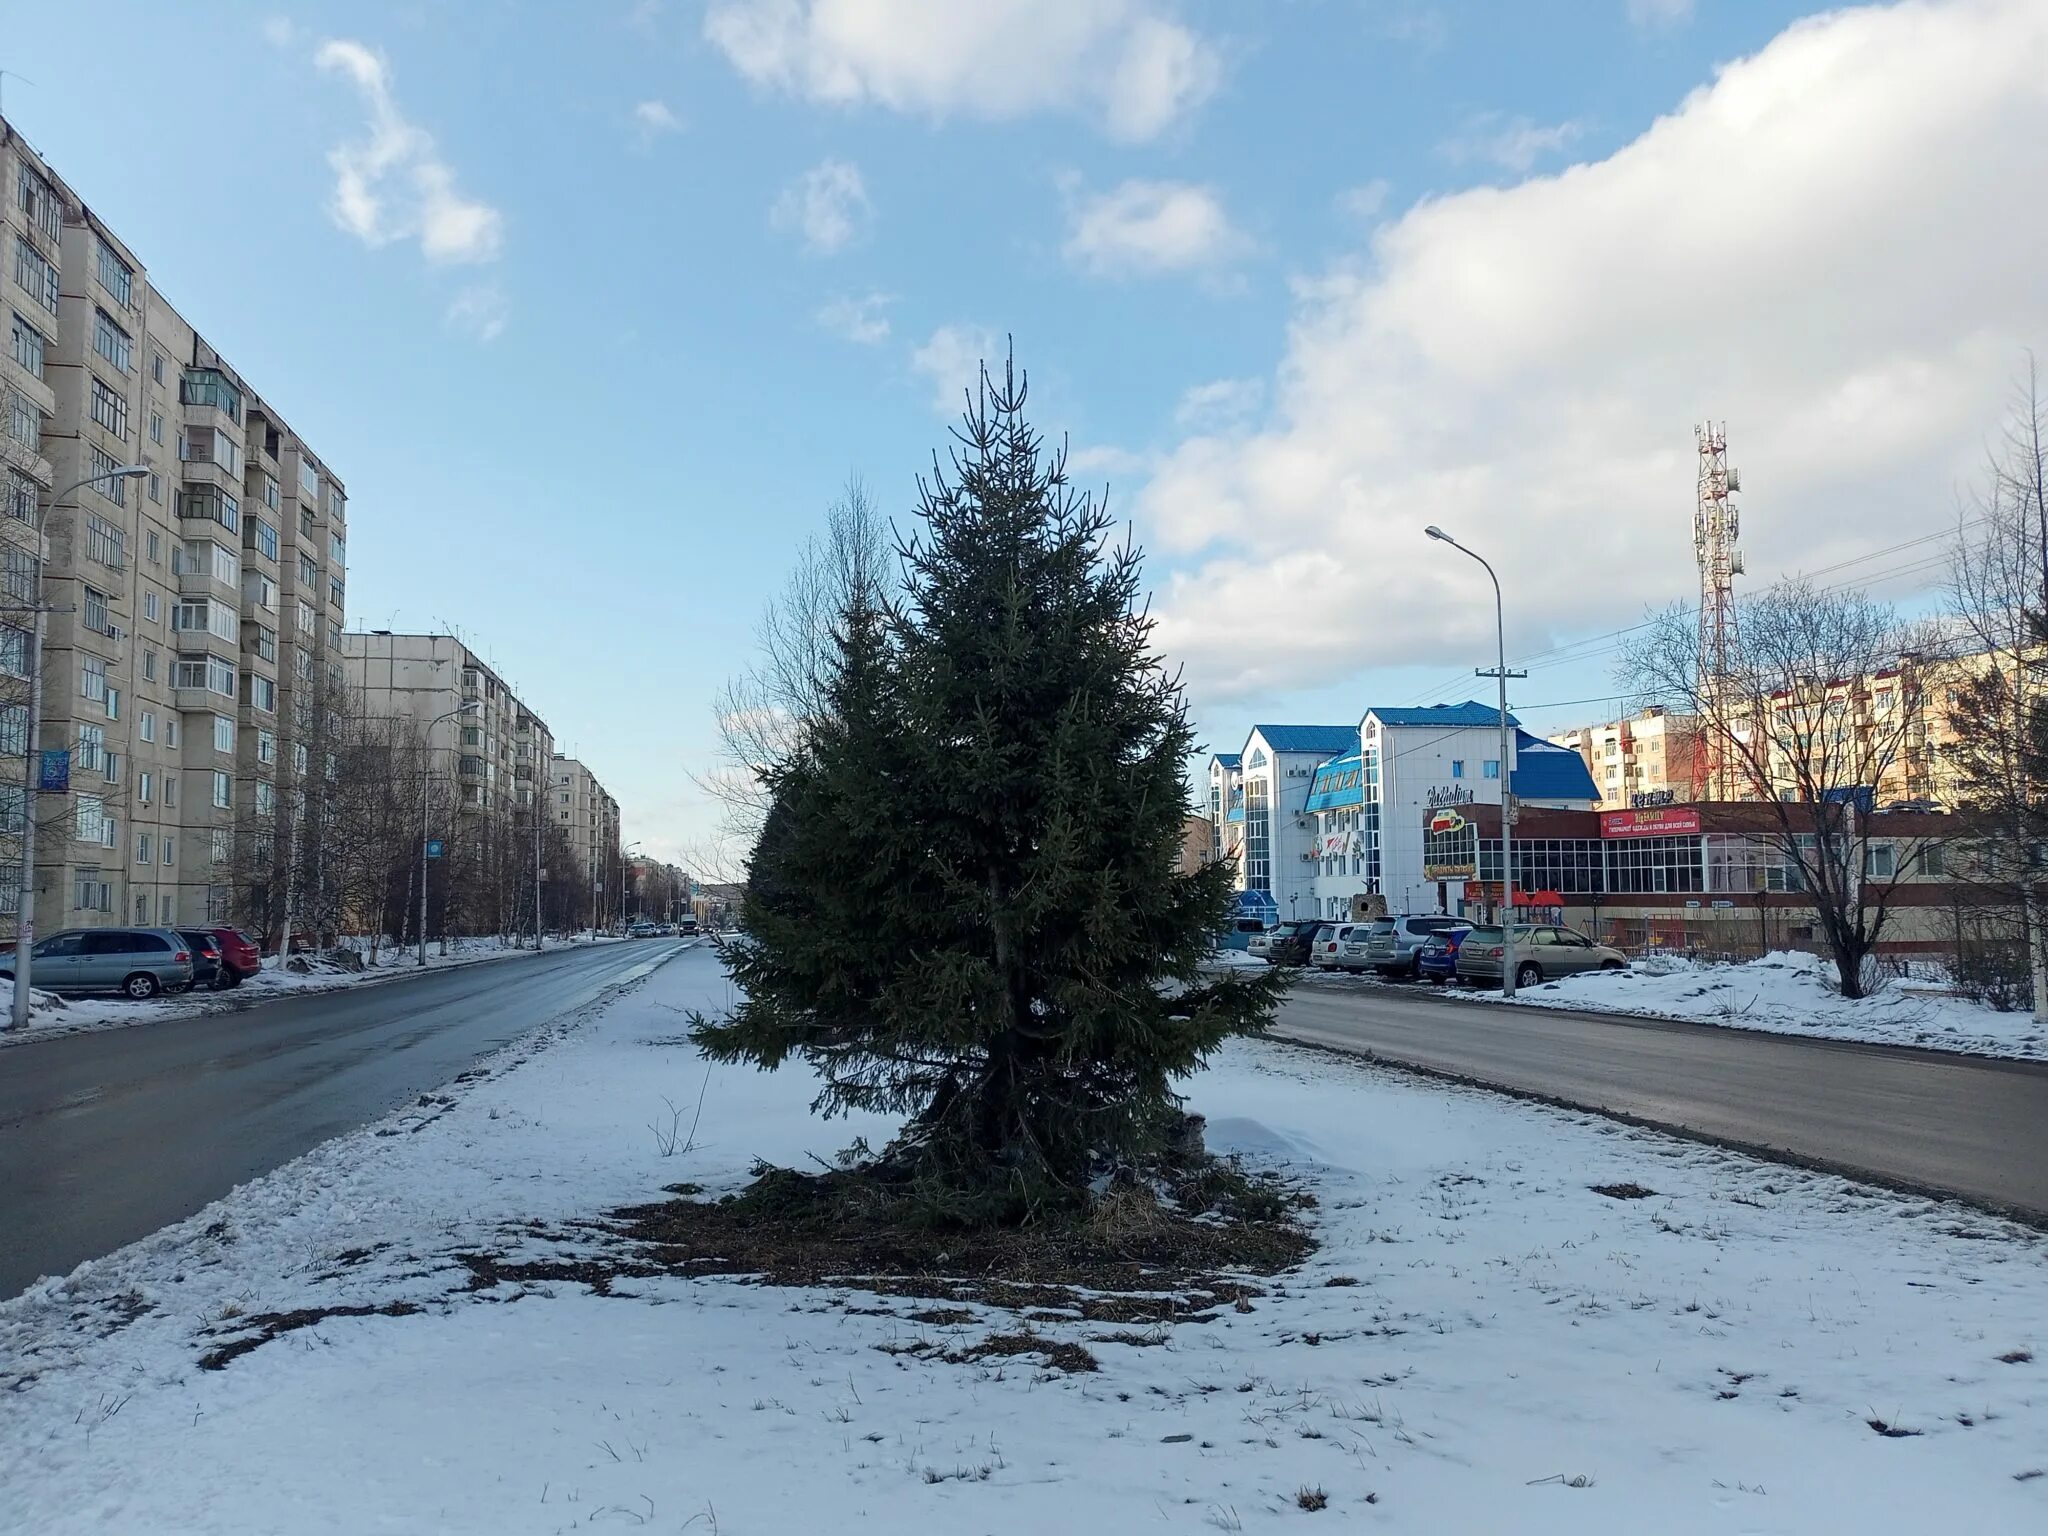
54	772
1449	794
1678	822
1444	822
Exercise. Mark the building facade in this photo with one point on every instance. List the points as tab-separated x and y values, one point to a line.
1275	878
1649	759
497	754
590	817
192	608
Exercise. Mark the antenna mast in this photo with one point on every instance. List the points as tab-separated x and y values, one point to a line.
1716	530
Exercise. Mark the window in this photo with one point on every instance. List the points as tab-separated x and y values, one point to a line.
163	902
309	573
29	344
156	367
299	759
302	663
472	735
208	672
217	904
156	487
20	497
142	907
110	341
92	747
109	407
90	819
1933	861
221	845
337	551
214	505
34	274
102	465
170	802
92	679
96	611
144	854
25	423
271	498
18	574
223	789
39	202
266	746
262	693
209	386
1880	861
210	445
309	478
1491	768
105	542
152	609
145	785
223	734
213	618
266	797
149	661
116	276
14	730
90	893
203	557
153	547
1457	767
334	634
303	616
334	590
266	643
113	711
260	591
266	539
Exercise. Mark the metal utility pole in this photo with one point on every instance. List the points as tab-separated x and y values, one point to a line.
537	873
1507	770
25	910
468	707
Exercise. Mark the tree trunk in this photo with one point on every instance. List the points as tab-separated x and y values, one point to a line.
2037	948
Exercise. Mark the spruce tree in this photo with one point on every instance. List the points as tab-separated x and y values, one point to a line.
966	906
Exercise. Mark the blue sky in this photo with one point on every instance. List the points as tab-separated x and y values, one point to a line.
594	307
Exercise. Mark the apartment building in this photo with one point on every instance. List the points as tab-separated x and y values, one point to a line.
192	607
496	753
1650	759
591	818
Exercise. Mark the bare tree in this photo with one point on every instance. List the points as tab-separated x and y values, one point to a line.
1815	717
761	711
1998	598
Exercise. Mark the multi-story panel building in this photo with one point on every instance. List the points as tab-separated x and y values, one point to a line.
498	754
1651	759
590	816
169	666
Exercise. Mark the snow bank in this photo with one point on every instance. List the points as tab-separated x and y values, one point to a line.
1485	1341
1793	993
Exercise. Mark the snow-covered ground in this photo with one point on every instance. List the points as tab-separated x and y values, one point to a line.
1785	993
51	1015
1484	1342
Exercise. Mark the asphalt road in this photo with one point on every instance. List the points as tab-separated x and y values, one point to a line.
1929	1120
107	1136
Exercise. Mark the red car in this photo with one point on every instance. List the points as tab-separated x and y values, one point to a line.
239	956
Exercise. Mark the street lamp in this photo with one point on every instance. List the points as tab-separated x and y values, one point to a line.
1507	780
25	910
467	707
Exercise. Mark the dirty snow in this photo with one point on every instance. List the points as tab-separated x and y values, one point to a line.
1483	1342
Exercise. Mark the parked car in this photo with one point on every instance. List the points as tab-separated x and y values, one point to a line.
641	929
1437	960
207	970
1393	944
1326	948
241	956
1286	945
1542	953
136	962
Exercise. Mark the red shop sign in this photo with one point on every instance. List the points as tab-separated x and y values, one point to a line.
1663	821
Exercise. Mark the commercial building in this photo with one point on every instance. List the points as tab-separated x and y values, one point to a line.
193	609
590	817
1275	768
496	754
1650	759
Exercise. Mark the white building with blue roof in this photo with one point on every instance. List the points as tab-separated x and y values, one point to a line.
1276	869
1368	807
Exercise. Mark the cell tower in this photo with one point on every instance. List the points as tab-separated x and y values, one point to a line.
1716	528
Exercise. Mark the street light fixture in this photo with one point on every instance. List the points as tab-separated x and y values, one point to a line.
25	909
1507	779
467	707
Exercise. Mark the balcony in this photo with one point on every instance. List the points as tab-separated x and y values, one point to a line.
210	389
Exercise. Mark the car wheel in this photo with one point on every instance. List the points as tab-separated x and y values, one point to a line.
141	985
1528	974
222	980
1610	965
1415	969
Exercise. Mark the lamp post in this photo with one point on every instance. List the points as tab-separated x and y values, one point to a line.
1507	780
467	707
25	910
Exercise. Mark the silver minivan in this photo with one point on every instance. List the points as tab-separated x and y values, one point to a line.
135	962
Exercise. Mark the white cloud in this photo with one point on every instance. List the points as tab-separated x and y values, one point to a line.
652	119
862	319
828	205
392	184
479	310
1652	14
1364	203
1524	365
1105	459
1219	404
280	31
1146	227
951	358
1512	143
1128	64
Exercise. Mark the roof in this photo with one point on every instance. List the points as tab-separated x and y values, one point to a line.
1470	712
1545	771
1337	783
1329	740
1230	759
